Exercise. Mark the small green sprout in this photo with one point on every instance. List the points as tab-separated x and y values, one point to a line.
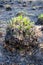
40	16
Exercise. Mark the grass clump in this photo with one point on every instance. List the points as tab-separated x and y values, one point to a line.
21	25
20	34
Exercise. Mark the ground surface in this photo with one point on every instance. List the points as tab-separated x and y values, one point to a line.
18	58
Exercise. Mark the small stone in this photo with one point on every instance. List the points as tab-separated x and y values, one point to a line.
40	7
30	2
24	4
41	45
1	6
8	7
19	1
33	8
30	53
13	49
41	28
5	46
22	53
10	0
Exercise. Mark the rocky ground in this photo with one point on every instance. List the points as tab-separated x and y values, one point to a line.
20	57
